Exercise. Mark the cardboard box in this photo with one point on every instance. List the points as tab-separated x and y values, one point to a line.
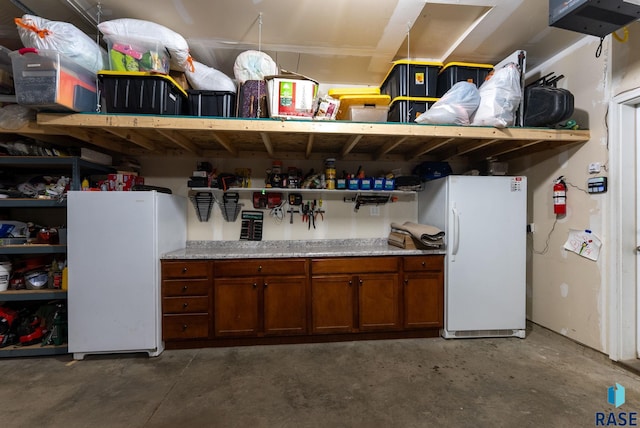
291	96
117	182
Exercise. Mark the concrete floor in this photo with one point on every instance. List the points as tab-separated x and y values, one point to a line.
544	380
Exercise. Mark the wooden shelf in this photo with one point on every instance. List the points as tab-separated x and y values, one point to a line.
33	350
23	295
297	139
33	249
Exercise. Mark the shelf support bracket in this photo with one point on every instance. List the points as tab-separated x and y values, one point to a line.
131	136
388	147
180	140
307	153
224	142
266	140
433	145
351	143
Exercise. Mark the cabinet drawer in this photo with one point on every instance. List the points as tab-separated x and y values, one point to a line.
185	269
185	327
180	305
261	266
194	287
354	265
424	263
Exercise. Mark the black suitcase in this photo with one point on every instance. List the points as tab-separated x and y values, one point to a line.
545	104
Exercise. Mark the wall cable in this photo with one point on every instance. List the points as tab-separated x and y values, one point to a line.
546	244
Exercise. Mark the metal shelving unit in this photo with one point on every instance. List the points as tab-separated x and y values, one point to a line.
75	168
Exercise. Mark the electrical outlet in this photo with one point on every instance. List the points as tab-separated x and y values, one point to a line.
531	227
374	210
594	167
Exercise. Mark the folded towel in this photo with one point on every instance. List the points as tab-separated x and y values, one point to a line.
426	234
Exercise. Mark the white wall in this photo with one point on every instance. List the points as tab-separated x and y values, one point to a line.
340	219
566	292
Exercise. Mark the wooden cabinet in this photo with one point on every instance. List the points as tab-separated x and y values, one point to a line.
186	295
292	300
354	294
423	291
260	297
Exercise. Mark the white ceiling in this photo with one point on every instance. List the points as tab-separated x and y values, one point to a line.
333	41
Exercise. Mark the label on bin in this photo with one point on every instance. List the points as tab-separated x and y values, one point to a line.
419	77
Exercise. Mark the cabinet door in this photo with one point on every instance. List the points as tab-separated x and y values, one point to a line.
332	304
236	307
423	300
285	310
378	302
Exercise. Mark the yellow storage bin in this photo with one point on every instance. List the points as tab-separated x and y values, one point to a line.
350	103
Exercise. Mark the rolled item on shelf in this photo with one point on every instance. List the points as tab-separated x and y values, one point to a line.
63	37
208	78
253	65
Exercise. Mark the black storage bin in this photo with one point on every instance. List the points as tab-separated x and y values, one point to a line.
211	103
407	109
411	79
455	72
140	93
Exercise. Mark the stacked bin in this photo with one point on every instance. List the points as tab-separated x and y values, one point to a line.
455	72
361	104
139	92
412	86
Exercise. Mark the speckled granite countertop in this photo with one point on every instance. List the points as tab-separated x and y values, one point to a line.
281	249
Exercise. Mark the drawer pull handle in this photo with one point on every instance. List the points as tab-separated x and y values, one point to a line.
350	282
184	269
406	281
185	304
266	284
259	268
255	285
184	327
185	288
424	264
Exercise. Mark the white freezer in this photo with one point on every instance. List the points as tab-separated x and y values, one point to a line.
115	241
484	219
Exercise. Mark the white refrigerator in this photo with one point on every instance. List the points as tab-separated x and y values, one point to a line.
115	241
485	220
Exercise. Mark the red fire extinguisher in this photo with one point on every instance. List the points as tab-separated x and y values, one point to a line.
560	197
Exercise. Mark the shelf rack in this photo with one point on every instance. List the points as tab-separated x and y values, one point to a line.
295	139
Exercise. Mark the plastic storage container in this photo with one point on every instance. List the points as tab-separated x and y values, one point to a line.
367	113
455	72
366	106
6	72
411	79
211	103
407	109
137	54
140	93
47	80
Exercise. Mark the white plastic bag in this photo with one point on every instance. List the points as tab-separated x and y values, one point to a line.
40	33
455	107
206	78
253	65
138	28
500	97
